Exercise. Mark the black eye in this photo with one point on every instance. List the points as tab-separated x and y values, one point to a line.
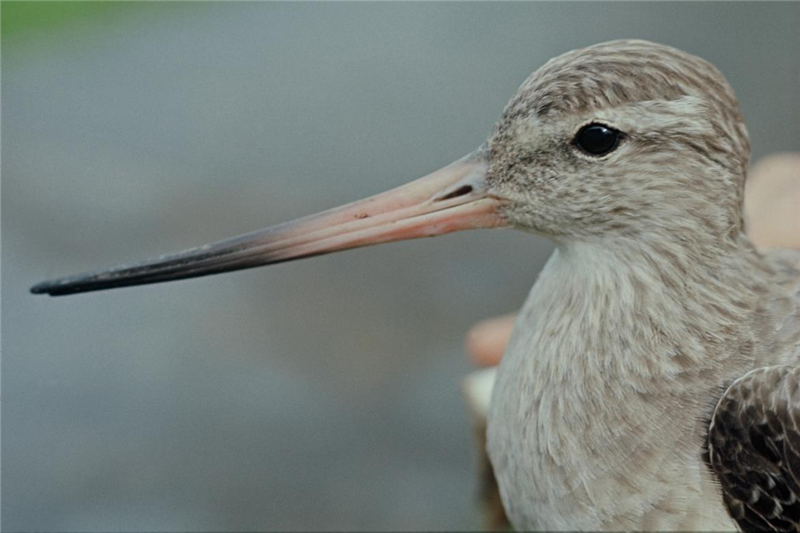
596	139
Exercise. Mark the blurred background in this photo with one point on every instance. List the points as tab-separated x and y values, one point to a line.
318	395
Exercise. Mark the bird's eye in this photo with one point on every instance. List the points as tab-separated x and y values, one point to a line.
596	139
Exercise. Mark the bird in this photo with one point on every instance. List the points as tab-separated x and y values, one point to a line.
651	381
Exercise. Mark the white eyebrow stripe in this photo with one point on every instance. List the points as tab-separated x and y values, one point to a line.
687	114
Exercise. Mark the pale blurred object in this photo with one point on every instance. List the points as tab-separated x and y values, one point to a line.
477	388
772	202
487	340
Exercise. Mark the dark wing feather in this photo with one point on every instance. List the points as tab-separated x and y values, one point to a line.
754	448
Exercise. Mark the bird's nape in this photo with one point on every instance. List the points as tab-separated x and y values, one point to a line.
453	198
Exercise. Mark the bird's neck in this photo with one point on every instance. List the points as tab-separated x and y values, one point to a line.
661	318
660	306
615	362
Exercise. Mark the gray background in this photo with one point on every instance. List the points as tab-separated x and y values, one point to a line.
322	394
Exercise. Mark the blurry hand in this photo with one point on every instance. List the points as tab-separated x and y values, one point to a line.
772	202
772	218
486	340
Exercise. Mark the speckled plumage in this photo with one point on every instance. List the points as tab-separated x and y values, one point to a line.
652	305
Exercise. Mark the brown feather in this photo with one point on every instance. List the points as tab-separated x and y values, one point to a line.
754	448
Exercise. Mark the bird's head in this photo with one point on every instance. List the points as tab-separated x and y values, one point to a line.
619	140
613	141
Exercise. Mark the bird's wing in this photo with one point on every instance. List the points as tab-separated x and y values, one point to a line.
754	449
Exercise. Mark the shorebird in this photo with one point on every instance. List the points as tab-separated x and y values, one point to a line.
652	378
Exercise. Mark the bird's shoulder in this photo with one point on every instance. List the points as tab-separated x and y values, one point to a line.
786	263
782	309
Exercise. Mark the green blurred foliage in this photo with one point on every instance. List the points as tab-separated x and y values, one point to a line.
24	17
35	24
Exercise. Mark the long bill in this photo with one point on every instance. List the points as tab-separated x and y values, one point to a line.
453	198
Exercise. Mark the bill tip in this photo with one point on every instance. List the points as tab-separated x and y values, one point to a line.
41	288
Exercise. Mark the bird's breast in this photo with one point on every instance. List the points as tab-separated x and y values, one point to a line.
580	433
